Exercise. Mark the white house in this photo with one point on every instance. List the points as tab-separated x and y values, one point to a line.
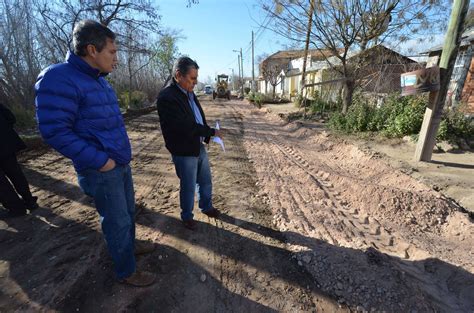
285	73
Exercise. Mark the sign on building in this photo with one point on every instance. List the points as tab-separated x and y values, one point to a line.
419	81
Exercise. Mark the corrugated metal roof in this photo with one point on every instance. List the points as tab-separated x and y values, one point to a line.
467	40
295	54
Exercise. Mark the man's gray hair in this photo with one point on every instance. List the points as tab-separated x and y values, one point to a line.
88	32
183	65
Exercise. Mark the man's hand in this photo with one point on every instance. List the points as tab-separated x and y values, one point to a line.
110	165
219	133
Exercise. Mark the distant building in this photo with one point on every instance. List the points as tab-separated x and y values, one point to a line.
379	75
461	87
289	64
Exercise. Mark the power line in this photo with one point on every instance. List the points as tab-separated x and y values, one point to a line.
258	34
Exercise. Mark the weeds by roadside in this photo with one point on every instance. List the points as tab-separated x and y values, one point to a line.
398	117
259	99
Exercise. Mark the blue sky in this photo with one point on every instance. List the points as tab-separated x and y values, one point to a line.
213	28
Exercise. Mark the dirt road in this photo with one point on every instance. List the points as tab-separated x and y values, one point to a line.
309	224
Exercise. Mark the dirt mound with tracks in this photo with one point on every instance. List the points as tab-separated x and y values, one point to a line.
310	223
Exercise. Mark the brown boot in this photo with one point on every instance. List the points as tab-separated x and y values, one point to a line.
140	279
142	247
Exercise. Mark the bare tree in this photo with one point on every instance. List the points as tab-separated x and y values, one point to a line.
136	24
58	18
18	53
271	73
37	33
191	2
344	27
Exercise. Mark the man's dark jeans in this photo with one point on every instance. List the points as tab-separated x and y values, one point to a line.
114	199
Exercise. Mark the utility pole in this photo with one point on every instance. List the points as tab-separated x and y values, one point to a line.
242	65
238	64
306	46
233	78
253	66
434	111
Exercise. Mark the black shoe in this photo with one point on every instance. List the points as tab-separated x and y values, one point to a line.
190	224
32	204
212	213
12	214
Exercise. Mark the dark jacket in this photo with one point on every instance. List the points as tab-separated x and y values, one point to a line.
79	115
10	142
178	124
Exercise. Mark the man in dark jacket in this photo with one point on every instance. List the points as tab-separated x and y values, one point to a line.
185	131
10	170
79	116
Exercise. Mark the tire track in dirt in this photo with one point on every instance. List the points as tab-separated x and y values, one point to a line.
268	175
369	228
245	269
322	184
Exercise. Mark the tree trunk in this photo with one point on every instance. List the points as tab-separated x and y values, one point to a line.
129	80
274	86
348	92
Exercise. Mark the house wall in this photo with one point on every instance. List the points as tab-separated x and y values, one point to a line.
298	63
278	88
459	76
262	86
293	85
285	87
468	90
312	78
267	89
460	79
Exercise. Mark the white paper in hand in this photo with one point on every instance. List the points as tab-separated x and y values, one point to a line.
219	139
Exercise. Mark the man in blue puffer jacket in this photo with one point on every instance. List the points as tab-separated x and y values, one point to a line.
79	116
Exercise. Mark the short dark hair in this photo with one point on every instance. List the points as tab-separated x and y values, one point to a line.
184	64
88	32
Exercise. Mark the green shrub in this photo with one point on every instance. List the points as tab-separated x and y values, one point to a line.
259	99
442	134
397	117
405	115
318	105
137	100
251	96
383	115
455	126
337	122
359	114
400	116
25	118
299	101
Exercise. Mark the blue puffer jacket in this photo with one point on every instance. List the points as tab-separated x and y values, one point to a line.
79	116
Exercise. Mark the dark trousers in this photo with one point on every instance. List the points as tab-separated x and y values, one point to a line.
11	174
